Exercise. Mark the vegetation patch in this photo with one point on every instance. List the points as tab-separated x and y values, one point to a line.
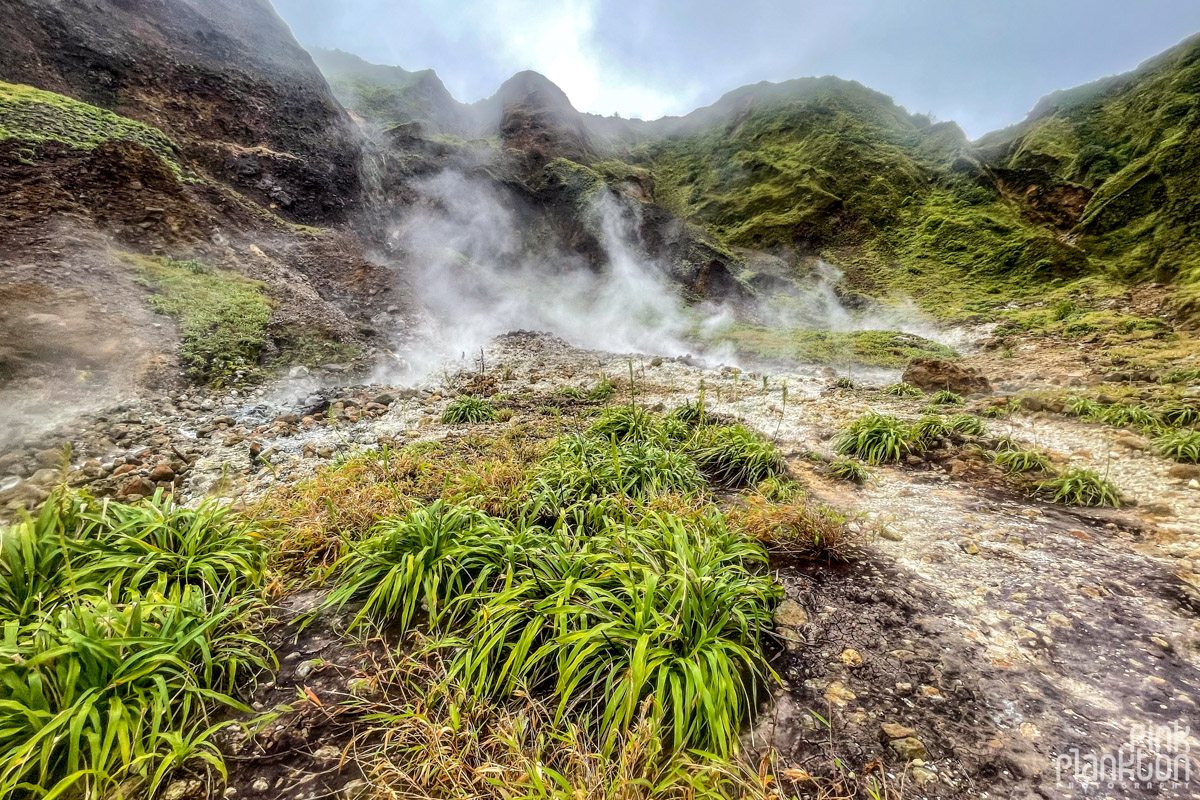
870	348
126	628
875	438
222	317
35	116
1076	486
468	410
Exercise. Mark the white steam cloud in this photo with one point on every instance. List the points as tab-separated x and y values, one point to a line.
477	277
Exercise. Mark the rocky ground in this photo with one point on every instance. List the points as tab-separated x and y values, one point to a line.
978	637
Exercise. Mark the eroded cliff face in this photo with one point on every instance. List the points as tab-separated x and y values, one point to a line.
224	78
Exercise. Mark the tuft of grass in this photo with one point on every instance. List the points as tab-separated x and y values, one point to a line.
966	424
1085	408
902	389
1181	376
1122	415
734	456
571	392
946	397
468	410
603	390
779	490
1181	446
847	469
844	383
874	438
926	430
580	469
807	530
1077	486
418	562
628	423
1179	414
1015	461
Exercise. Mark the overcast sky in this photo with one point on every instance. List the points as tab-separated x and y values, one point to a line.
982	63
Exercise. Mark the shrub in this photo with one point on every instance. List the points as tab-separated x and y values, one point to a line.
874	438
468	410
1017	460
946	398
1181	446
734	456
1077	486
847	469
902	389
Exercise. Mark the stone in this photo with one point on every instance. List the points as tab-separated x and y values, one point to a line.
894	730
356	790
1184	472
934	374
138	487
327	753
260	785
45	477
839	694
851	658
790	614
177	790
1133	442
969	547
890	535
162	472
909	748
923	776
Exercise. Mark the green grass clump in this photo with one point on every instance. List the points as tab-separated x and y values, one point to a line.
628	422
847	469
1001	410
966	424
1181	376
1181	446
603	390
582	468
571	392
874	438
693	413
1085	408
1122	415
468	410
222	316
36	116
902	389
418	562
1022	460
734	456
125	629
1179	414
779	489
844	383
946	398
1077	486
926	430
669	608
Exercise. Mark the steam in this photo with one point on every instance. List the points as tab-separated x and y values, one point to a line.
479	273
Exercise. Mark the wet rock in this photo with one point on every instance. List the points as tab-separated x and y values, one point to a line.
909	748
138	487
162	472
934	374
790	614
894	730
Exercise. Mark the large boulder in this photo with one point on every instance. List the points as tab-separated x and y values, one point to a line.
935	374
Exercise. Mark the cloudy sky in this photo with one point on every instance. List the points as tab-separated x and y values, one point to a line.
982	63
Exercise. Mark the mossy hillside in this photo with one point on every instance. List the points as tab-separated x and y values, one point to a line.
35	116
222	316
890	349
1134	140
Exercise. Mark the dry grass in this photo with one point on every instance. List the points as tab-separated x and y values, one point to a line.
805	529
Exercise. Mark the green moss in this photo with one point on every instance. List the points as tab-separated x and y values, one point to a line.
872	348
222	316
35	116
298	345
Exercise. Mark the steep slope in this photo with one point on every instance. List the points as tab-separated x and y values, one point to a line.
1117	161
224	78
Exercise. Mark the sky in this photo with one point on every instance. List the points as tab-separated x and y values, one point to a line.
981	63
